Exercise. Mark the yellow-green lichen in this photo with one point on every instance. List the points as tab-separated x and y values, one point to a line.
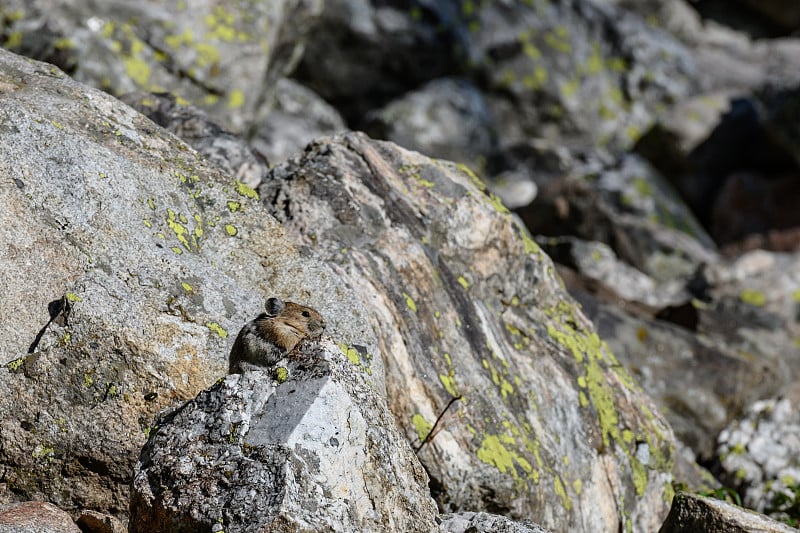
174	223
587	349
577	486
236	99
351	353
246	191
43	452
15	364
639	474
558	488
281	374
72	297
493	452
753	297
231	230
187	287
216	328
528	243
796	295
13	41
463	282
410	302
234	206
449	382
421	426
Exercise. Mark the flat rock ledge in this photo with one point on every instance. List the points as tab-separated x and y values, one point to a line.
305	446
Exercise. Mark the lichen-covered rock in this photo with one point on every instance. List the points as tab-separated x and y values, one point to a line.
127	265
226	150
691	513
486	523
224	57
306	446
760	454
536	419
626	204
704	348
576	71
700	383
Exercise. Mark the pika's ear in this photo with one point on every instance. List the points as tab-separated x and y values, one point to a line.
274	306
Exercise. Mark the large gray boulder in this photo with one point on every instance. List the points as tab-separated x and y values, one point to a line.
128	264
515	404
308	445
224	57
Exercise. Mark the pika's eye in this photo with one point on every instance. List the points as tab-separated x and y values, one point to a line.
306	314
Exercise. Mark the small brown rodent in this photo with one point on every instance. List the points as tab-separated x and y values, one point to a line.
266	340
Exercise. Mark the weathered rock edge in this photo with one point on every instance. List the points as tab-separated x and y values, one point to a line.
307	446
543	423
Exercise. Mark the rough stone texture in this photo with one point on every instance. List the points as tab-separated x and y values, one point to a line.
296	117
224	57
691	513
127	265
626	204
447	119
226	150
486	523
760	453
733	323
364	53
36	517
315	450
94	522
548	425
576	71
701	383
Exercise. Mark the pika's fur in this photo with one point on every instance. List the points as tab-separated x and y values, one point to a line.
266	340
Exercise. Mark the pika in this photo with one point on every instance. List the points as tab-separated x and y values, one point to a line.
264	341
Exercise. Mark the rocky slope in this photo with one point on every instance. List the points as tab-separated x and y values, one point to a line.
650	148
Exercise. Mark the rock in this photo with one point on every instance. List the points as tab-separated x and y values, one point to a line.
296	116
486	523
226	150
129	264
691	512
364	53
223	58
535	417
702	383
626	204
575	72
446	118
35	517
601	271
733	324
94	522
309	446
760	454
